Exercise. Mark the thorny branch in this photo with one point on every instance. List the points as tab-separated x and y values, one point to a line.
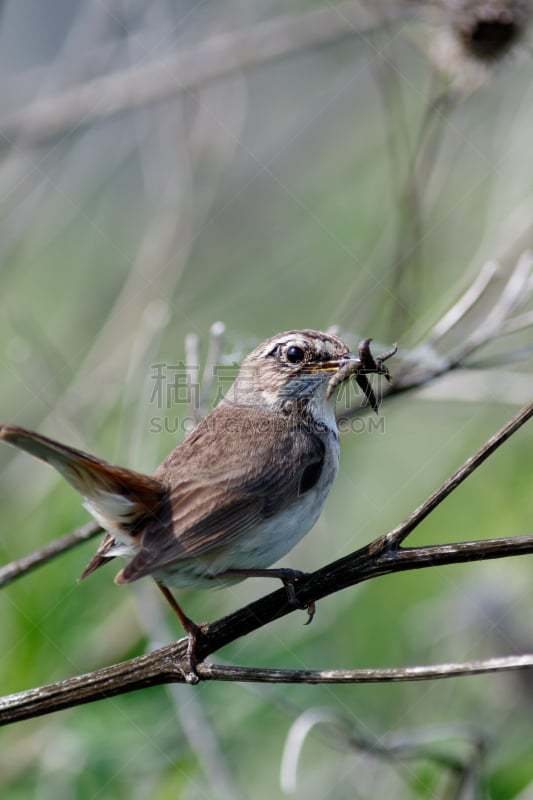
381	557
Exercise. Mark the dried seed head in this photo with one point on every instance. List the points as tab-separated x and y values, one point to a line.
472	36
488	31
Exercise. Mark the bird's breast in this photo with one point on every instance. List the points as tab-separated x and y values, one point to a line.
268	541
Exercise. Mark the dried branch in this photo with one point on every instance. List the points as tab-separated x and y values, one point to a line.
163	666
169	665
503	316
224	672
381	557
465	303
214	58
214	353
53	549
517	291
428	744
199	409
400	533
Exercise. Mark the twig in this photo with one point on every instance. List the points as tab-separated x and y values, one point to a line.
214	352
423	364
400	533
424	744
224	672
192	362
515	294
465	303
55	548
199	405
215	58
384	556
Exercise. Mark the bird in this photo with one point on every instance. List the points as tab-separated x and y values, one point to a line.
241	489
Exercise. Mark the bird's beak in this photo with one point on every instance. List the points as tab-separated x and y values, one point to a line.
338	363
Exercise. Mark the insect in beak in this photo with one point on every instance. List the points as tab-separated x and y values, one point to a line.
360	366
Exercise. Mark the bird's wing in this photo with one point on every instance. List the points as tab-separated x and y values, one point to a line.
226	493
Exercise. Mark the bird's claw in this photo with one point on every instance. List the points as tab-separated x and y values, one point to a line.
288	579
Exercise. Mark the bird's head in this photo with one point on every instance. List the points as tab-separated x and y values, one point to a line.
300	365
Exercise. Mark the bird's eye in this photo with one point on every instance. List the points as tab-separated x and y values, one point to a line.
295	354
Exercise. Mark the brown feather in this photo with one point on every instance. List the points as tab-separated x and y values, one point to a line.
97	481
226	495
100	557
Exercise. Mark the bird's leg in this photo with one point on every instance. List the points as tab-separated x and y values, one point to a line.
288	577
191	629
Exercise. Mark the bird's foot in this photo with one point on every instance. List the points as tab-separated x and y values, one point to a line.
289	577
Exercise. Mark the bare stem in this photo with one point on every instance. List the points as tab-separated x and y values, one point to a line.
502	316
224	672
400	533
53	549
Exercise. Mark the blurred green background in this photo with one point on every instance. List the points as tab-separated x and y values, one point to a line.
329	187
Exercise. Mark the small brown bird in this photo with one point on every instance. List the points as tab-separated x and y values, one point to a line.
241	489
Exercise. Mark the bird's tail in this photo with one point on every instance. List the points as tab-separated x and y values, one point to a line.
119	499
